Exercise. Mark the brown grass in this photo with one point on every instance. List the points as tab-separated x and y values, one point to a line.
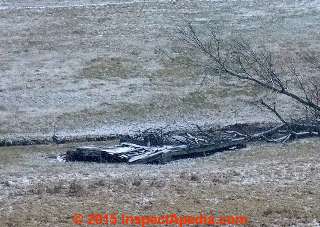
111	68
270	184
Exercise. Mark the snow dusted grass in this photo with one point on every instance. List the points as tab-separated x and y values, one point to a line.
96	66
270	184
89	65
111	68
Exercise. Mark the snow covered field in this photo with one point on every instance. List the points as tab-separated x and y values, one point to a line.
94	66
97	66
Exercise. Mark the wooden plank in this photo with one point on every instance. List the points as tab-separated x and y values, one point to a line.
134	154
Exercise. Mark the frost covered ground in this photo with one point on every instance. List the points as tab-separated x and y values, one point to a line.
93	66
97	66
271	184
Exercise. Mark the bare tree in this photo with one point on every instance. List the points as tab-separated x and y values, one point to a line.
238	59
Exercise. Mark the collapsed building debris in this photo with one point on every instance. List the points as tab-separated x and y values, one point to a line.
134	154
158	146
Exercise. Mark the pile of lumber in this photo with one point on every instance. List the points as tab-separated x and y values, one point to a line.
125	152
137	154
157	146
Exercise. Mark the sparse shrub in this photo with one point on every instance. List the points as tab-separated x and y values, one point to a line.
76	189
101	182
157	183
137	181
6	183
55	189
180	189
119	183
98	183
38	189
234	173
220	178
267	212
189	176
183	175
194	177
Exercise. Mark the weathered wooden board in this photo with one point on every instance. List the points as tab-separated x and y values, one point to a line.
134	154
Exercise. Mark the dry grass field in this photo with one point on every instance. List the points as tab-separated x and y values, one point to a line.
98	66
271	184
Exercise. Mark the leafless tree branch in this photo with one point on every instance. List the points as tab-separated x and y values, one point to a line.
238	59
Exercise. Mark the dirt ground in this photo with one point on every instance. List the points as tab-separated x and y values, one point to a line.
272	185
